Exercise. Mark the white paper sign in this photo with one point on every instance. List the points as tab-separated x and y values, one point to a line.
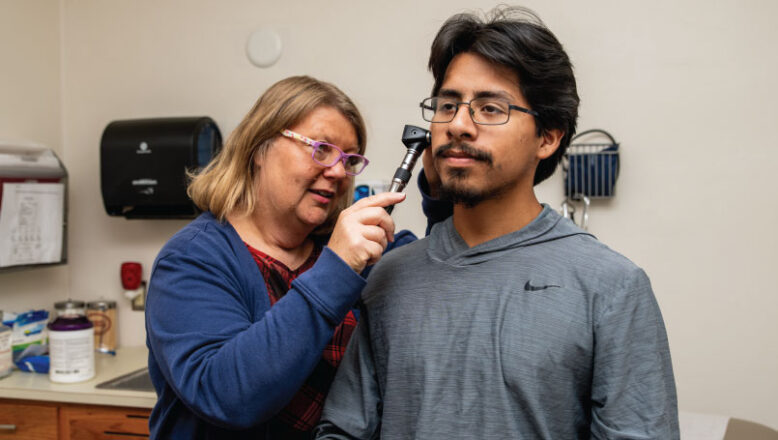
31	218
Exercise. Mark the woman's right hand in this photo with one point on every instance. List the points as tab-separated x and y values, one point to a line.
364	229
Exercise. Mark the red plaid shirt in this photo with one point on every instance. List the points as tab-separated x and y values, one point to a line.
300	416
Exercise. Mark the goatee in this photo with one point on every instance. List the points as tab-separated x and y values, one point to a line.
451	189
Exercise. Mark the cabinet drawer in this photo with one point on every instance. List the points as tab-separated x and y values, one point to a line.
27	421
88	422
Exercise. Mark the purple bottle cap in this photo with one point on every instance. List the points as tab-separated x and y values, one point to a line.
67	323
70	316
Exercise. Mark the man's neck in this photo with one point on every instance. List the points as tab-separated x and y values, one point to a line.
495	217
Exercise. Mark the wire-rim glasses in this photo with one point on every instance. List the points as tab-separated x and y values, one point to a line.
483	111
328	155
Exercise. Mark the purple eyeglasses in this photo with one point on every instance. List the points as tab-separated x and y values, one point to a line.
327	155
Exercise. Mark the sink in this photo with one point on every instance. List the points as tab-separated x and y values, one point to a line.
138	380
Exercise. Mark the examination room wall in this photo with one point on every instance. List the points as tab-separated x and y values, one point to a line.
30	109
686	87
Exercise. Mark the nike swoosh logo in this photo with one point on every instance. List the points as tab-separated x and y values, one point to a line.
532	288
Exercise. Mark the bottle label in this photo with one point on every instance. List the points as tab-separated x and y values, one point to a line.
71	355
5	352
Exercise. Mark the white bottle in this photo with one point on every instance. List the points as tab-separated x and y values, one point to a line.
6	357
71	344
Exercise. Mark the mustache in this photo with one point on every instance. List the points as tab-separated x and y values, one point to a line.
467	149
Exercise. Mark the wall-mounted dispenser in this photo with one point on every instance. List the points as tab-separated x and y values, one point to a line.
33	206
144	163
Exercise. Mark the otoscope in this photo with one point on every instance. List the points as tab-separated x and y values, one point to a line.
416	139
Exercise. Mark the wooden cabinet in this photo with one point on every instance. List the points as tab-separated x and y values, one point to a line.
27	420
43	420
80	422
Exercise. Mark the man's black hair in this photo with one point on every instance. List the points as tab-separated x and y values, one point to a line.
516	38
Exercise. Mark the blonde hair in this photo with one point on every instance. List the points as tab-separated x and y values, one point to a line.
226	185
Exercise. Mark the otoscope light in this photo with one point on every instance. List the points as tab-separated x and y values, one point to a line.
416	139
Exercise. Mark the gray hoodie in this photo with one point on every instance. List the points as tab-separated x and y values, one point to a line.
543	333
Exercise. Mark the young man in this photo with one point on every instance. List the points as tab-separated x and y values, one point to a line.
508	321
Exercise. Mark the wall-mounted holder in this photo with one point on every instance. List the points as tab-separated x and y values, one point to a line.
33	206
133	284
590	172
569	210
137	297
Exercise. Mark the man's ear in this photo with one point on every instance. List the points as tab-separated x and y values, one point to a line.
550	142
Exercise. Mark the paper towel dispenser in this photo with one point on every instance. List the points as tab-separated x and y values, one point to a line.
143	164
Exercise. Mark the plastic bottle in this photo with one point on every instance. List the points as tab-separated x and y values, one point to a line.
102	313
6	361
71	344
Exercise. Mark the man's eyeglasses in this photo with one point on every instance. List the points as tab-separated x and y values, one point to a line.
483	111
327	155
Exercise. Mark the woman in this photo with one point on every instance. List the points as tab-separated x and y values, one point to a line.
249	306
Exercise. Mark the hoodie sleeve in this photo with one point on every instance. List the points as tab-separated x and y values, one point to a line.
353	406
228	366
434	209
633	390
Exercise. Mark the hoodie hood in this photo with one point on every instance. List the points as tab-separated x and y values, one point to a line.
446	245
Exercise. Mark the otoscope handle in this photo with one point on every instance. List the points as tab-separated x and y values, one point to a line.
398	184
416	139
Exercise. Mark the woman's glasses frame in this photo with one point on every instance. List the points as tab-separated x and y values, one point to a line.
353	164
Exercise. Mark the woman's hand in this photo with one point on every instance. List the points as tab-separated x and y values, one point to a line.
433	179
364	229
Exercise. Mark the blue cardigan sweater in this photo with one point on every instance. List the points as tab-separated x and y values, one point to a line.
219	356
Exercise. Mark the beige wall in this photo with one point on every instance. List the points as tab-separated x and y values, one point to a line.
31	109
687	87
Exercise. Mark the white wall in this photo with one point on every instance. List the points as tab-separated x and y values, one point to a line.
30	109
686	87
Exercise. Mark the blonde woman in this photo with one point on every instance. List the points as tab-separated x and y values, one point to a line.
250	305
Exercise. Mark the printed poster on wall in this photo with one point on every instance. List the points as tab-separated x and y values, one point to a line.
31	219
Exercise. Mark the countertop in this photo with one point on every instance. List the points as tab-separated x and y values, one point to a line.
36	386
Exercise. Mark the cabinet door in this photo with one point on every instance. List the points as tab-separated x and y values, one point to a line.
23	420
79	422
